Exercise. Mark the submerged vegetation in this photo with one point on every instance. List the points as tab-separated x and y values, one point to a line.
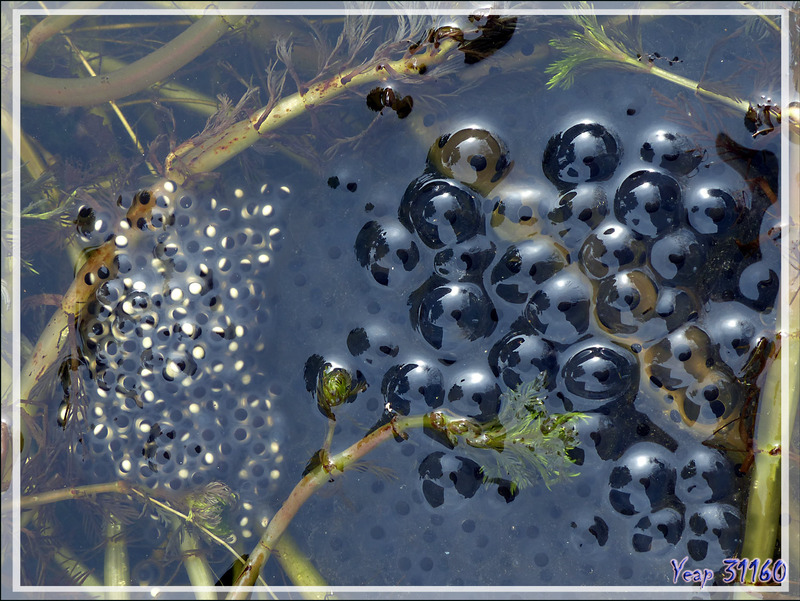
149	121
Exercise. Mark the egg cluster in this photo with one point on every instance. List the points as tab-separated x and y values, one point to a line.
174	340
627	281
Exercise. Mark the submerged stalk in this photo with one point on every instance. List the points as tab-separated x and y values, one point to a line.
158	65
205	157
308	486
117	566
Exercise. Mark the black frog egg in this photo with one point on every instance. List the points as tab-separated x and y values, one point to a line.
672	152
576	213
711	211
643	480
524	266
678	257
441	212
387	250
713	533
519	357
649	203
416	384
585	152
595	373
472	156
560	309
515	212
450	314
625	301
612	247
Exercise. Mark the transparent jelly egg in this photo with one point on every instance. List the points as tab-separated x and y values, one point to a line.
625	301
560	309
416	384
706	477
736	330
643	480
387	250
448	314
658	532
711	211
595	373
649	203
524	266
466	261
374	343
713	398
678	257
515	214
576	213
445	475
673	152
472	156
441	212
520	357
611	248
585	152
474	391
713	533
758	285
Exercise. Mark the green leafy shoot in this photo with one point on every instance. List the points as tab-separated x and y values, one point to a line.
523	444
211	507
593	46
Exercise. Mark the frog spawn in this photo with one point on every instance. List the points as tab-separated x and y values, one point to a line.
174	343
588	290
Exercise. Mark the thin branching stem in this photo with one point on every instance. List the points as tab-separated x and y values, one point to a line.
207	156
307	487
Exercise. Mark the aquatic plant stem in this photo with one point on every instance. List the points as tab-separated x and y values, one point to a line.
337	465
137	76
764	499
117	566
197	568
50	26
191	158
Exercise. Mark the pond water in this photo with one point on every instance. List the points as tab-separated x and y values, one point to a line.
619	237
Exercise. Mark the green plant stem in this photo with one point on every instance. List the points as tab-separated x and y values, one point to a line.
117	566
135	77
192	159
299	568
73	566
64	494
306	487
764	499
197	568
48	27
